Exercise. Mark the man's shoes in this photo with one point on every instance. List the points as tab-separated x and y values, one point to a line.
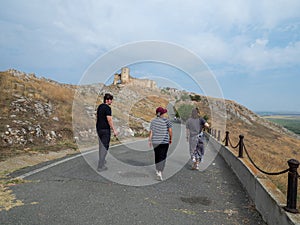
159	175
101	169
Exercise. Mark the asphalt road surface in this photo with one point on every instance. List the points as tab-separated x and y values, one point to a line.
73	192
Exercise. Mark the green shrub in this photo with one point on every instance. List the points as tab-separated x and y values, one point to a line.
206	117
196	98
184	111
185	97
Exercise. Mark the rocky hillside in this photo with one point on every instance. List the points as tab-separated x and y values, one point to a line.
37	113
40	115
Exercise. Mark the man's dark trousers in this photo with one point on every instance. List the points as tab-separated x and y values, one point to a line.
104	139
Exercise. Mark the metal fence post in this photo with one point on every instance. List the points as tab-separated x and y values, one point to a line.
241	146
219	135
226	138
292	186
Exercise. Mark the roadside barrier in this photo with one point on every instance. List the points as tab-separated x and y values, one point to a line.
293	165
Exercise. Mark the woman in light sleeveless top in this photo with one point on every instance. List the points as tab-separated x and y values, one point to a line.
194	135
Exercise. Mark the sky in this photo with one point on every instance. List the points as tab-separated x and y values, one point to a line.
251	47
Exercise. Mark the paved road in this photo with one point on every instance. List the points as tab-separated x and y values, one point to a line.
74	193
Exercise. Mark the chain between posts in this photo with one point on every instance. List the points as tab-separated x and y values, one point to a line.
227	140
242	146
293	174
232	145
268	173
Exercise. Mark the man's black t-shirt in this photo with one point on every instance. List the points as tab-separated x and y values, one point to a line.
102	112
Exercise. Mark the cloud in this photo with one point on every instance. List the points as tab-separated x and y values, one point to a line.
259	43
258	56
234	32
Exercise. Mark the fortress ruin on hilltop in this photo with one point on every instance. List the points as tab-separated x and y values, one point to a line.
124	78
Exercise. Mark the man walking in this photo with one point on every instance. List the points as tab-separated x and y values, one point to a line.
104	125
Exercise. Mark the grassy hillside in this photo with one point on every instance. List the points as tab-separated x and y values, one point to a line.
269	145
36	116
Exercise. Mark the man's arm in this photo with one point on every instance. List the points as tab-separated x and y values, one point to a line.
111	124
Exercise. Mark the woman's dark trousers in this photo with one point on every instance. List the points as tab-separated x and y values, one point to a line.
160	152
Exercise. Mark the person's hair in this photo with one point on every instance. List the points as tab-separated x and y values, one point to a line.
195	113
107	96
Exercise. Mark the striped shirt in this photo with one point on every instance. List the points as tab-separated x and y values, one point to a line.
160	130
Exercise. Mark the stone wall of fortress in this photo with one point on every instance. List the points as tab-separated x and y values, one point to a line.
142	83
124	78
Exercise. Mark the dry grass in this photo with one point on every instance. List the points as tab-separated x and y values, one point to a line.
269	149
145	108
36	90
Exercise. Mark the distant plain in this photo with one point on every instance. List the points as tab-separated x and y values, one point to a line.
289	121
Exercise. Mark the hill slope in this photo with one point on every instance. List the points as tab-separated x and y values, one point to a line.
36	116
